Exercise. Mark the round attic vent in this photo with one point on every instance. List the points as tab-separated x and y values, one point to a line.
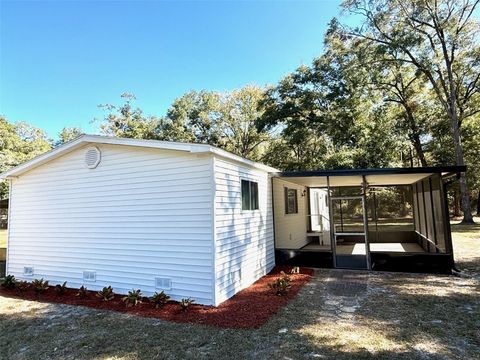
92	157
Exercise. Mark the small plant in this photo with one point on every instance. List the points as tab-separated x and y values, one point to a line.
61	289
39	286
133	298
22	285
106	294
159	299
281	284
82	292
186	303
295	270
9	282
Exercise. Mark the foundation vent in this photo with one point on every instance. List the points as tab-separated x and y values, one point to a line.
163	283
90	276
28	271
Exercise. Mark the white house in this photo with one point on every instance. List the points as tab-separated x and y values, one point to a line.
190	219
199	222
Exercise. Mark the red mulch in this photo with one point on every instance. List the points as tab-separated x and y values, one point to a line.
249	308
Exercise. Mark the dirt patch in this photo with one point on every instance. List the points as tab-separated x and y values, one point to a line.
250	308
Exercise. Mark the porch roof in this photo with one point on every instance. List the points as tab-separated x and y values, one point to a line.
373	177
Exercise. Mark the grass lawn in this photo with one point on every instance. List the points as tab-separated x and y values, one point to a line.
339	315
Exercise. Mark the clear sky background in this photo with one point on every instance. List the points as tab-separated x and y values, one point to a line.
60	59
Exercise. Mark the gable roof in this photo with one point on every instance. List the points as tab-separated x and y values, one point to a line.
154	144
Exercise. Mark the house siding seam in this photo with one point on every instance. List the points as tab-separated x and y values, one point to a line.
131	219
244	248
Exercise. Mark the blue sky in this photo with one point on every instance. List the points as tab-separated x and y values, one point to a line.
60	59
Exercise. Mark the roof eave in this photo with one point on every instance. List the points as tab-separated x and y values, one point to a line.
97	139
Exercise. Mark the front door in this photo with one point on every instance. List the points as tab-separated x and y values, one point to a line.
350	232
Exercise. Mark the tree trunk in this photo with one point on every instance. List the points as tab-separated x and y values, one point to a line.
478	202
414	135
456	203
419	150
466	205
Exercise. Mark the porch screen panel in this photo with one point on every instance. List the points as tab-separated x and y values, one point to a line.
429	212
439	214
421	211
415	207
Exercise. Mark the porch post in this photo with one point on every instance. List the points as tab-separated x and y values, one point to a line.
365	221
332	224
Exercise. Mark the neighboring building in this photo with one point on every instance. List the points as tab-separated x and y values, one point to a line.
197	221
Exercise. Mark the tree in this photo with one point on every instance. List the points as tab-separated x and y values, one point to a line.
67	134
19	143
242	131
126	121
440	40
230	120
194	117
329	117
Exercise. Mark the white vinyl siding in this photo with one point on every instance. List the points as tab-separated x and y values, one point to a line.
244	245
290	229
142	213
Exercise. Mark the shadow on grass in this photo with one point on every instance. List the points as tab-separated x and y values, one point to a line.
391	316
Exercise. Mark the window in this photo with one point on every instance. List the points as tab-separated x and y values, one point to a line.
249	195
291	202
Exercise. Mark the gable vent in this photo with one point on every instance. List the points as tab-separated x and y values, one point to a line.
92	157
163	283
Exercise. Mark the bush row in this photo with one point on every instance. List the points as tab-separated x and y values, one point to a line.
133	298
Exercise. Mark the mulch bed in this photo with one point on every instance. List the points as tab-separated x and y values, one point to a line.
249	308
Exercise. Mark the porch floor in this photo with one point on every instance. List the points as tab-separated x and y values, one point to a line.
359	249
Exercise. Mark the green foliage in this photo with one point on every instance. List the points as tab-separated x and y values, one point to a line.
185	304
439	42
68	134
9	282
281	284
106	294
159	299
82	292
232	121
19	142
22	285
133	298
126	121
40	285
61	289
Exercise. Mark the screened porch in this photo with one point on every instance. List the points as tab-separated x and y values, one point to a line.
377	219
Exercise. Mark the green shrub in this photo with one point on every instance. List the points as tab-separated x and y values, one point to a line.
61	289
82	292
9	282
106	294
159	299
133	298
186	303
22	285
39	286
281	284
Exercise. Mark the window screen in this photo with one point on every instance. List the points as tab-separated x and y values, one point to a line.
291	201
249	195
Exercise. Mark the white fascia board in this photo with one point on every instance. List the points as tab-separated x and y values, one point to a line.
230	156
156	144
43	158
